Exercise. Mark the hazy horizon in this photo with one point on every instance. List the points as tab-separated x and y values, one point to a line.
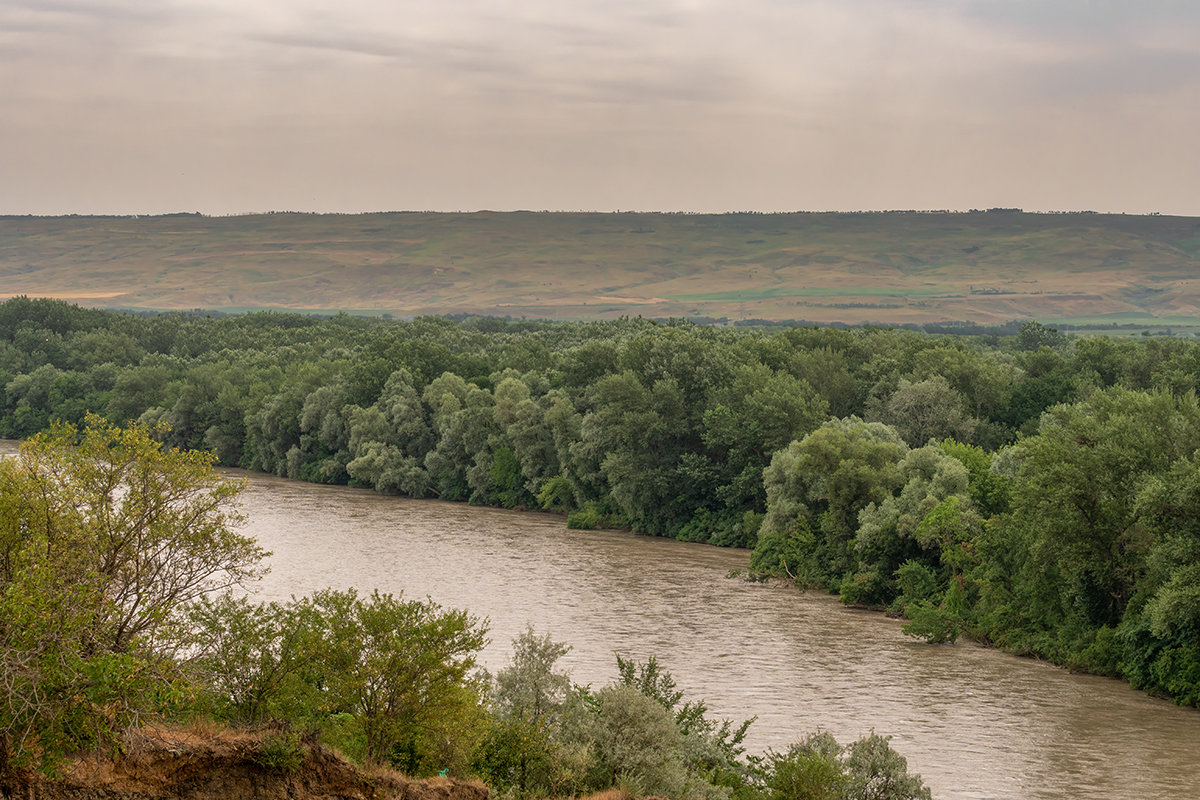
220	107
648	211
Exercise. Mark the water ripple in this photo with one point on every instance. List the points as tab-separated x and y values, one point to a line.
974	722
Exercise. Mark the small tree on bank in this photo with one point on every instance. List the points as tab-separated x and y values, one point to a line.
105	537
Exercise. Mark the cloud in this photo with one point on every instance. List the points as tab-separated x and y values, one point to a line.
636	103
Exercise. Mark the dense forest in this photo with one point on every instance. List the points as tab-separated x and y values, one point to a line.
1037	492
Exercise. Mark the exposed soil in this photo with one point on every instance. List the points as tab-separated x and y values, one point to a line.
224	765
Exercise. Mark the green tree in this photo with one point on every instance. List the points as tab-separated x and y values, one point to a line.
529	700
711	750
460	463
637	744
810	769
104	538
155	527
928	409
253	659
1075	551
877	772
403	668
816	489
929	517
819	768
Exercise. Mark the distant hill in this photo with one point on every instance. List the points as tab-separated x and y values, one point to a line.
888	267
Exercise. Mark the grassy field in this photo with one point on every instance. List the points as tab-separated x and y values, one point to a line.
894	267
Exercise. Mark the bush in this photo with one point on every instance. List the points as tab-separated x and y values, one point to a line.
819	768
590	518
932	623
877	772
810	770
392	679
282	752
637	744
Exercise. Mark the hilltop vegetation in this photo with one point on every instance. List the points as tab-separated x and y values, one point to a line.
895	267
1034	491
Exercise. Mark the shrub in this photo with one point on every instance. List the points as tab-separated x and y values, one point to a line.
282	752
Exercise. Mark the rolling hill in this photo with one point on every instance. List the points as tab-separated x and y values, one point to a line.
884	267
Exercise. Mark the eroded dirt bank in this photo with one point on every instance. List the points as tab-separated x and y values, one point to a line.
225	766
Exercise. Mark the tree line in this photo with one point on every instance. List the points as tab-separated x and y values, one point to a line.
1033	491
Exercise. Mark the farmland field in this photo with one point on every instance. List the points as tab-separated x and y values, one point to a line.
890	267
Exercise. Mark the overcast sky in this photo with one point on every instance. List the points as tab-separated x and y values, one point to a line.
224	106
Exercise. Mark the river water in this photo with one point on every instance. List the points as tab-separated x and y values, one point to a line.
974	722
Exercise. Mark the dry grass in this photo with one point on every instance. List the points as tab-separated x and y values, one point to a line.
609	794
207	762
894	267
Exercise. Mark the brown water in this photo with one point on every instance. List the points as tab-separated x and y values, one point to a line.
974	722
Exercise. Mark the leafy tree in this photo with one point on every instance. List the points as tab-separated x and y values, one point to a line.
819	768
636	743
1079	551
817	487
988	488
104	537
522	419
633	439
930	520
810	769
402	668
254	660
1160	633
710	749
928	409
756	415
135	390
462	416
877	772
154	527
530	699
1035	335
389	441
530	687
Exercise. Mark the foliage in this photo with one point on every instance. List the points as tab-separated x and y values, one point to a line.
820	484
283	752
105	536
810	770
530	698
925	410
710	748
636	744
254	659
819	768
1066	532
552	737
877	772
400	669
589	518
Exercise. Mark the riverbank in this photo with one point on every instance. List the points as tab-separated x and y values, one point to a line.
795	660
207	763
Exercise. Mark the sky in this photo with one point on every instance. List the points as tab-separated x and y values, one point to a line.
235	106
